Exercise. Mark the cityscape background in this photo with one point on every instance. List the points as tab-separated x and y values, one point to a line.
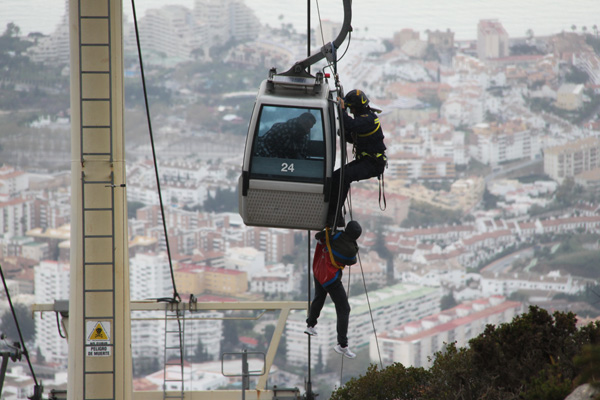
382	17
492	187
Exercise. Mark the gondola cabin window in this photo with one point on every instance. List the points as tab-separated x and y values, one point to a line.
289	145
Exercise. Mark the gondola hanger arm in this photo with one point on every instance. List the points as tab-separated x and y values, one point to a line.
328	50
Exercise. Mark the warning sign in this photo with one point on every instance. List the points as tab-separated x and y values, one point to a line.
98	339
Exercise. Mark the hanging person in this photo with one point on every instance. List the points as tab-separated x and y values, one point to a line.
364	131
332	254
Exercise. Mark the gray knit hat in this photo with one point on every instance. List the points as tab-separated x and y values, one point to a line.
353	230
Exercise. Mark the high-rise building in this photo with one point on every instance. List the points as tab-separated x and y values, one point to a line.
51	282
168	31
218	21
492	39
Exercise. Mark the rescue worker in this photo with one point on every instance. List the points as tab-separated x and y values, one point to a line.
363	130
332	254
287	139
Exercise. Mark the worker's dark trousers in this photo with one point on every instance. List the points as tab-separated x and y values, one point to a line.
356	170
342	308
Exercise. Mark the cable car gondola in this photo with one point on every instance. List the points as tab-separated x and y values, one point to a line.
291	146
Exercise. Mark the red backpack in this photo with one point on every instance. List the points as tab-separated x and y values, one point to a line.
323	268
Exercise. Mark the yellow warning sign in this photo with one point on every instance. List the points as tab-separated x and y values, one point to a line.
98	331
98	339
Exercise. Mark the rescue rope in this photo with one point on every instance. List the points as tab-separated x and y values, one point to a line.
342	363
370	311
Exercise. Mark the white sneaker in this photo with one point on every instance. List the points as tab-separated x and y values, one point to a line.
311	331
344	350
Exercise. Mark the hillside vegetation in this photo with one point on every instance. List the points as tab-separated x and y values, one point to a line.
537	356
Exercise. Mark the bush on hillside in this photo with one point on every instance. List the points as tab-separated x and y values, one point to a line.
529	358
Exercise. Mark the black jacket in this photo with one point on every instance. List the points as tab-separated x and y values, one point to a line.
364	131
343	246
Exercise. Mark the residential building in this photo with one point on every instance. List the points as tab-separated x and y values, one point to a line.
149	340
441	41
150	276
16	216
505	284
590	63
53	49
12	183
224	20
571	159
168	31
492	39
389	307
51	282
569	96
246	259
495	143
225	281
414	344
277	279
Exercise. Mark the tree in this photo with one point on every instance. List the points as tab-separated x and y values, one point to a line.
12	30
447	302
223	201
529	33
26	323
200	354
490	201
528	358
230	335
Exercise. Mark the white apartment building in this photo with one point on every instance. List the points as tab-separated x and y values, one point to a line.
463	108
12	183
16	216
168	31
51	282
278	279
390	307
492	40
149	276
247	259
569	96
496	144
571	159
217	21
149	339
413	343
505	284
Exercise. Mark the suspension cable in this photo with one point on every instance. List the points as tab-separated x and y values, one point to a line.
14	314
320	22
176	297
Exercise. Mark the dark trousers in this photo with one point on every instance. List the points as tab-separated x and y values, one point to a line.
342	308
357	170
